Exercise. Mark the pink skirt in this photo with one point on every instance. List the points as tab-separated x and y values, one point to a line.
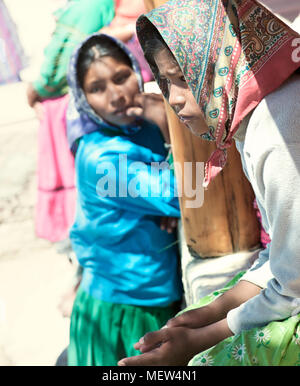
56	196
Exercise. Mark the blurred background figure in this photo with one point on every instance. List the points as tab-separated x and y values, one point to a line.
123	28
74	21
123	24
48	96
12	56
55	206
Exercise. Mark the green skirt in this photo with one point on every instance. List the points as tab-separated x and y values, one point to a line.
102	333
276	344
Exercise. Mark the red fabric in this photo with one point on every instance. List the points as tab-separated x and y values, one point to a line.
253	86
56	196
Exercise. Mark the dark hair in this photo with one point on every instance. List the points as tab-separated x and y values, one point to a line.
152	46
95	48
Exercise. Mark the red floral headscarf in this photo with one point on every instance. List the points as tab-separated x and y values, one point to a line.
232	52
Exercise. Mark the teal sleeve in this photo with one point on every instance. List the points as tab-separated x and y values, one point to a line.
75	22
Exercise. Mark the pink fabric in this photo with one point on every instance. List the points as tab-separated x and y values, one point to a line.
56	196
134	47
264	236
127	11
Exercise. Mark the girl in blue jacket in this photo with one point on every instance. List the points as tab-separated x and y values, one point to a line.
130	277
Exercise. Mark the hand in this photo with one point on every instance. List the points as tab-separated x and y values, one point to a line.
166	347
32	95
176	346
169	224
218	309
196	318
39	110
151	106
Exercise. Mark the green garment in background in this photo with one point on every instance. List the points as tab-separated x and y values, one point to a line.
277	344
107	331
74	22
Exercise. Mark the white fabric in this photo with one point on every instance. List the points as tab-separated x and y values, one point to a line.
270	155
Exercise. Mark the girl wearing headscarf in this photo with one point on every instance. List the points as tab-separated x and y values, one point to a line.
56	193
130	277
229	70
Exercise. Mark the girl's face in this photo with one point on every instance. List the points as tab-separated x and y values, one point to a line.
180	96
110	87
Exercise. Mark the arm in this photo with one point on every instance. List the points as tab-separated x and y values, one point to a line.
191	332
218	309
35	101
75	22
124	33
121	180
279	181
179	345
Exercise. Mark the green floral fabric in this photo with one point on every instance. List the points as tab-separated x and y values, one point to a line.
277	344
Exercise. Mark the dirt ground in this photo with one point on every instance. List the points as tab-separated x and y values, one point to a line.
33	276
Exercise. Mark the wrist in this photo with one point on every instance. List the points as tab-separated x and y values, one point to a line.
212	334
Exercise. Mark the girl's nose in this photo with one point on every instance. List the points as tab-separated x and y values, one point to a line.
116	95
176	98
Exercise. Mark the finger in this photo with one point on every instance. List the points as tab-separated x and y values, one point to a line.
191	319
137	345
138	99
134	111
152	358
145	349
152	340
174	223
153	96
163	223
171	225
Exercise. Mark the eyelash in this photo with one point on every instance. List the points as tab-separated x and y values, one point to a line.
121	80
167	81
94	90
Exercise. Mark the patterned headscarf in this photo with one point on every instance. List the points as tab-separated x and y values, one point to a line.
81	118
232	53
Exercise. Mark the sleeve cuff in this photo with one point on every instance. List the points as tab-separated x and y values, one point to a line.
260	272
232	321
44	93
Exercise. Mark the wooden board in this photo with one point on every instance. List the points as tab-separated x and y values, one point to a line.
226	222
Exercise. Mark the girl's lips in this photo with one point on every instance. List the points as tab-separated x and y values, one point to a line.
120	111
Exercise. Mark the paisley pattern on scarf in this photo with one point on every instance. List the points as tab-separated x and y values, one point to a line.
229	51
